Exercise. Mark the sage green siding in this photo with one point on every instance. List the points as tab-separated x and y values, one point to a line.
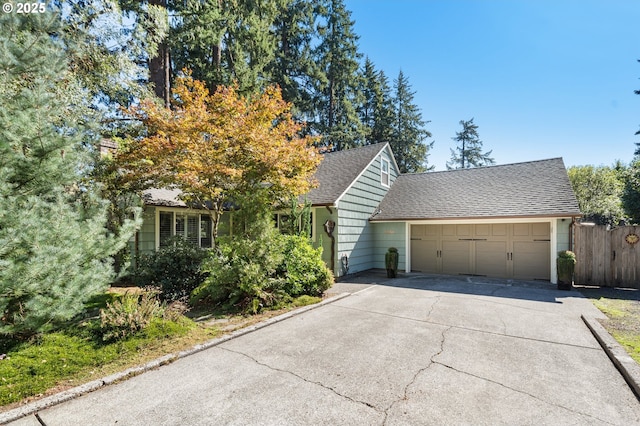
147	234
356	237
563	226
322	214
389	234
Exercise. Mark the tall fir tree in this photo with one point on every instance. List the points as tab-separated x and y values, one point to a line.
409	132
469	153
150	23
107	53
55	251
293	67
336	92
370	89
384	113
107	45
637	151
376	111
226	42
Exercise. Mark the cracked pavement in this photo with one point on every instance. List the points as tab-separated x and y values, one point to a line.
417	350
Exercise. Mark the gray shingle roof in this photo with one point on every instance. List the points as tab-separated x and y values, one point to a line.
535	188
163	197
335	173
338	170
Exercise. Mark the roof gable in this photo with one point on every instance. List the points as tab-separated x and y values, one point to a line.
535	188
339	170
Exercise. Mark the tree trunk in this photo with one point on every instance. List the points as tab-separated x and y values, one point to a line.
160	67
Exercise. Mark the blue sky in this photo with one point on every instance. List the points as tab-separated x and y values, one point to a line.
541	78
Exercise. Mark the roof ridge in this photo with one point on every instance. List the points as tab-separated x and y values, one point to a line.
357	148
484	167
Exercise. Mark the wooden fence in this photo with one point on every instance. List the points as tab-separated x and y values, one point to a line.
607	257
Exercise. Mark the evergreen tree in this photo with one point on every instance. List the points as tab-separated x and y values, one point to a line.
226	41
108	45
469	153
370	89
293	67
54	248
637	151
409	133
107	54
149	34
384	112
336	94
376	112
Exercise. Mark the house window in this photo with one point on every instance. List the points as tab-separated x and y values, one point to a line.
194	227
166	227
384	172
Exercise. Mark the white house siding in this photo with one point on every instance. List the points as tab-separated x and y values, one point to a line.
355	207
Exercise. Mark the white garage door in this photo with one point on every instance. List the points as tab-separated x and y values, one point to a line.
507	250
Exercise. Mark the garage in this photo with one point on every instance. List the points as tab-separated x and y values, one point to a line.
506	221
505	250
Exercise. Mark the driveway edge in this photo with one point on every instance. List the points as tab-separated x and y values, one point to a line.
627	366
50	401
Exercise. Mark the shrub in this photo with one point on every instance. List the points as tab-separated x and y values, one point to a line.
303	268
243	273
566	254
176	269
255	274
128	315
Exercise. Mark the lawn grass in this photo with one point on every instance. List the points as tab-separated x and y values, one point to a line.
75	355
57	361
622	308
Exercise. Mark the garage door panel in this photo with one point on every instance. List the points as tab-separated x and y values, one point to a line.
424	255
456	257
491	258
521	229
499	230
531	260
448	230
540	230
432	231
511	250
417	231
482	231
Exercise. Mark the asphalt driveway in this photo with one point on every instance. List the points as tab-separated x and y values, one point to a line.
418	350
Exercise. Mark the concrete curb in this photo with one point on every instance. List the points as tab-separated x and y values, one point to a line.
50	401
627	366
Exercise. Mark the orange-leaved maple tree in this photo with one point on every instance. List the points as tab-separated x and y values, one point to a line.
216	146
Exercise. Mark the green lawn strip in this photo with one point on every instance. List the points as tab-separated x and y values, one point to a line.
623	322
612	308
74	356
630	341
